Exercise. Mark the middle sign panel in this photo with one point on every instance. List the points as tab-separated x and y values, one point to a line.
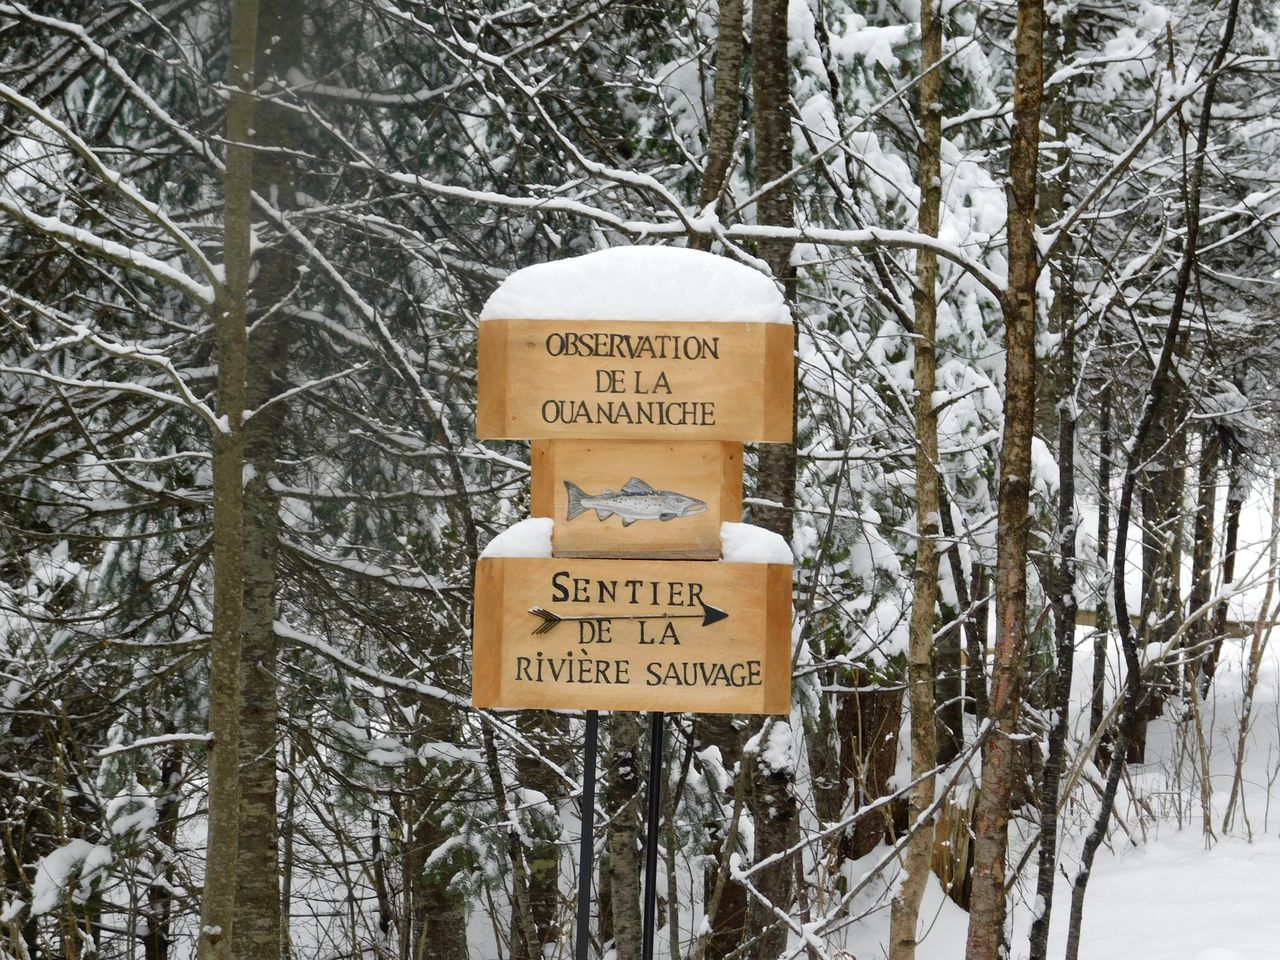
640	498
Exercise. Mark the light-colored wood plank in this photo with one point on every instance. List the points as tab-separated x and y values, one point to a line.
731	486
486	635
491	377
777	693
545	379
695	484
662	650
779	380
542	478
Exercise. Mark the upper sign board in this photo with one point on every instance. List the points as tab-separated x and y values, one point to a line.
585	379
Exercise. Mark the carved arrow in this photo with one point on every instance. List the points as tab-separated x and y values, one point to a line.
708	616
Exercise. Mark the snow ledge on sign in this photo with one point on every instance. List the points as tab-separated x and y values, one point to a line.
745	543
528	538
671	284
739	542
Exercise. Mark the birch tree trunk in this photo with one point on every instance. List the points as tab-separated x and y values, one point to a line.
217	904
905	911
999	759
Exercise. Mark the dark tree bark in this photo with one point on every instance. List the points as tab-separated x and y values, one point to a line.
548	730
999	761
1198	632
159	910
726	113
1231	541
868	722
770	85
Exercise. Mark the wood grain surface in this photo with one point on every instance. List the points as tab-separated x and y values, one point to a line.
632	635
547	379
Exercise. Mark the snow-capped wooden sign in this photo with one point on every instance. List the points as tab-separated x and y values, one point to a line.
638	373
557	633
640	498
586	379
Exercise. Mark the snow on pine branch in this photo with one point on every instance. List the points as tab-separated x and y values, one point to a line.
370	674
128	257
112	178
161	740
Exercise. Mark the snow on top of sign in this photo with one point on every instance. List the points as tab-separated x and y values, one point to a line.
745	543
639	283
740	542
528	538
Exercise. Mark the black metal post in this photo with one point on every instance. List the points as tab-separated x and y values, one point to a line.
651	834
586	845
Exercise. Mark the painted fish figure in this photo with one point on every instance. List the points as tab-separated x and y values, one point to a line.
635	501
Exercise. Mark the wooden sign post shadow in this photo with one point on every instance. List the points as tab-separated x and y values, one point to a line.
637	428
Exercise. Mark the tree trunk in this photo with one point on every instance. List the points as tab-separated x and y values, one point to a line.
521	913
774	811
548	731
1062	582
1198	633
729	922
726	114
770	85
1097	703
1231	540
905	911
159	910
258	904
999	762
622	801
218	901
772	797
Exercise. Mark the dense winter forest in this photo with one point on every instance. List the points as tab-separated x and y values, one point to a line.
1030	249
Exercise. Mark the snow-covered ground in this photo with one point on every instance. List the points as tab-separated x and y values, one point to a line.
1161	889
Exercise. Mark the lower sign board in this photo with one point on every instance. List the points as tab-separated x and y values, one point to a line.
678	636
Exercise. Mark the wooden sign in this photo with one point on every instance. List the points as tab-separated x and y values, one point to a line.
640	498
581	379
555	633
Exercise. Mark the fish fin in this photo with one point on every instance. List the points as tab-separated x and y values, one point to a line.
603	514
576	494
666	516
628	522
636	485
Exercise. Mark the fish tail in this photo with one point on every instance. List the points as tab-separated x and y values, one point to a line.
576	493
